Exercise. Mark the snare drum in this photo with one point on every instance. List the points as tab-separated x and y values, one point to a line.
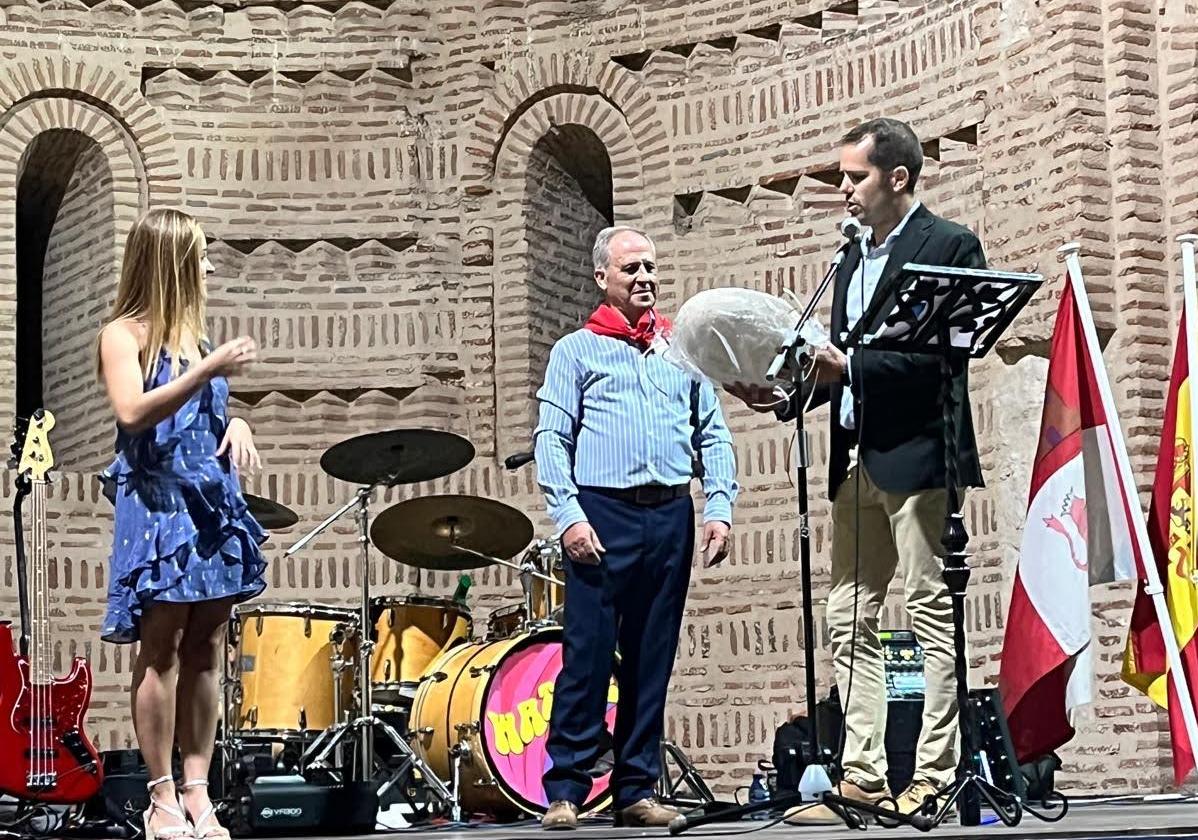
506	621
409	632
293	668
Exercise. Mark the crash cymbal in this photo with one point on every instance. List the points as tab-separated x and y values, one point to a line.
271	515
429	532
398	456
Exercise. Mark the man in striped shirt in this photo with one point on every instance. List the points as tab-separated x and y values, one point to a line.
616	447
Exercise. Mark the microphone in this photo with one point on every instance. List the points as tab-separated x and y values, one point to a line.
515	462
850	228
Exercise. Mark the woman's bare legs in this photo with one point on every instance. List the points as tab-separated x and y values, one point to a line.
201	657
152	695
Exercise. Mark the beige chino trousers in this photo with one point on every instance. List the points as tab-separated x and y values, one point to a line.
897	531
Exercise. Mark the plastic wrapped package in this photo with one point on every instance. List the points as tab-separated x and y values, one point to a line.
732	335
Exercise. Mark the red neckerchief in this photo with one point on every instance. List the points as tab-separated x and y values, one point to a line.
609	321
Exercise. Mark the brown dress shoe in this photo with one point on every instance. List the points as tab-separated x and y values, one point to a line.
645	813
823	815
914	798
561	816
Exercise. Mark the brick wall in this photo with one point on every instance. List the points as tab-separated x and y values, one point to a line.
387	190
78	290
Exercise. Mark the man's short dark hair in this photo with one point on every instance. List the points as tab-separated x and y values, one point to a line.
895	145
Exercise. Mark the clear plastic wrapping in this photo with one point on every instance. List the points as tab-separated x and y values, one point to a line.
732	335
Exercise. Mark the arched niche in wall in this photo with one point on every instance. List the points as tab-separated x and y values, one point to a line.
566	168
74	184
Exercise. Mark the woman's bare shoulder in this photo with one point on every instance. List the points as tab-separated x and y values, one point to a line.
121	330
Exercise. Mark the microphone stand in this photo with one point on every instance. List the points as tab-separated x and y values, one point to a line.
816	782
815	785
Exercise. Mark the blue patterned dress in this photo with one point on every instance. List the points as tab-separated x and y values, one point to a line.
182	531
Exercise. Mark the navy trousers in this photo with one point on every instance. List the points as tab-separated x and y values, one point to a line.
634	599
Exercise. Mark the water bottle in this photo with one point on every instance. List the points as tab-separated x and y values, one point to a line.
459	594
758	793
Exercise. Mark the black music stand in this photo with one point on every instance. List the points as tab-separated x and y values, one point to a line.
956	314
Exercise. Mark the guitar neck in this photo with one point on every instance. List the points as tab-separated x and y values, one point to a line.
41	648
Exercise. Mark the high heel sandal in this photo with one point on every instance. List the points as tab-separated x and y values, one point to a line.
205	827
168	832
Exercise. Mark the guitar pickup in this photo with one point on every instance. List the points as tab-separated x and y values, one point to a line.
41	752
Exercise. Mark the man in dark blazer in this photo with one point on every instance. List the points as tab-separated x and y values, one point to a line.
886	471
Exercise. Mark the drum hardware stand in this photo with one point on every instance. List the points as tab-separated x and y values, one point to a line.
338	664
667	788
455	806
230	746
535	559
365	725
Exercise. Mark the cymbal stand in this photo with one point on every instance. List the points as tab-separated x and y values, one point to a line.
366	724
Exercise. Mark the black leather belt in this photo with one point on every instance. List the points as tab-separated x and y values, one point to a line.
646	494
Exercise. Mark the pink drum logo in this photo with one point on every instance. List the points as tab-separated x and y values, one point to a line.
516	721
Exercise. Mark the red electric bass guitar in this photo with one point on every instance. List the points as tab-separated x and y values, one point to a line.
44	753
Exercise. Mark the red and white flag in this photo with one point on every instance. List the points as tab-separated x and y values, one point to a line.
1079	532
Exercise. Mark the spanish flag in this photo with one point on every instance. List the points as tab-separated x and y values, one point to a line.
1171	533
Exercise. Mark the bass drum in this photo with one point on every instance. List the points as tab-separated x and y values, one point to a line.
496	699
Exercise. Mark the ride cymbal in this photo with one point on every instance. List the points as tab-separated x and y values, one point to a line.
271	515
429	532
397	456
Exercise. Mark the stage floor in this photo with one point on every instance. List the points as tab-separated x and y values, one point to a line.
1086	819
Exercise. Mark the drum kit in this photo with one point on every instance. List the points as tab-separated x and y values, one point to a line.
402	685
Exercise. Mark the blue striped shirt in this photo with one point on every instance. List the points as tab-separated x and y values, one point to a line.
613	416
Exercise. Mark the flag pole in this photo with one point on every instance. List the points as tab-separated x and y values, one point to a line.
1190	303
1153	587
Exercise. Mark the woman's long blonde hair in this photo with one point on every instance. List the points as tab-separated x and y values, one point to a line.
162	284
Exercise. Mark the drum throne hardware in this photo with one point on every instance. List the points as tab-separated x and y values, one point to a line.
382	459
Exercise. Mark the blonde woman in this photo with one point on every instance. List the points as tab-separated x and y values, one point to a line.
185	548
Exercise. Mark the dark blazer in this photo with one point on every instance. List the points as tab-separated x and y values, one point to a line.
897	404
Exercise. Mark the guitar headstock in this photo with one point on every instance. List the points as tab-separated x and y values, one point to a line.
37	459
19	427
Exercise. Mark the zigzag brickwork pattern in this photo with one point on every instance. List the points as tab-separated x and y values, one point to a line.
400	200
